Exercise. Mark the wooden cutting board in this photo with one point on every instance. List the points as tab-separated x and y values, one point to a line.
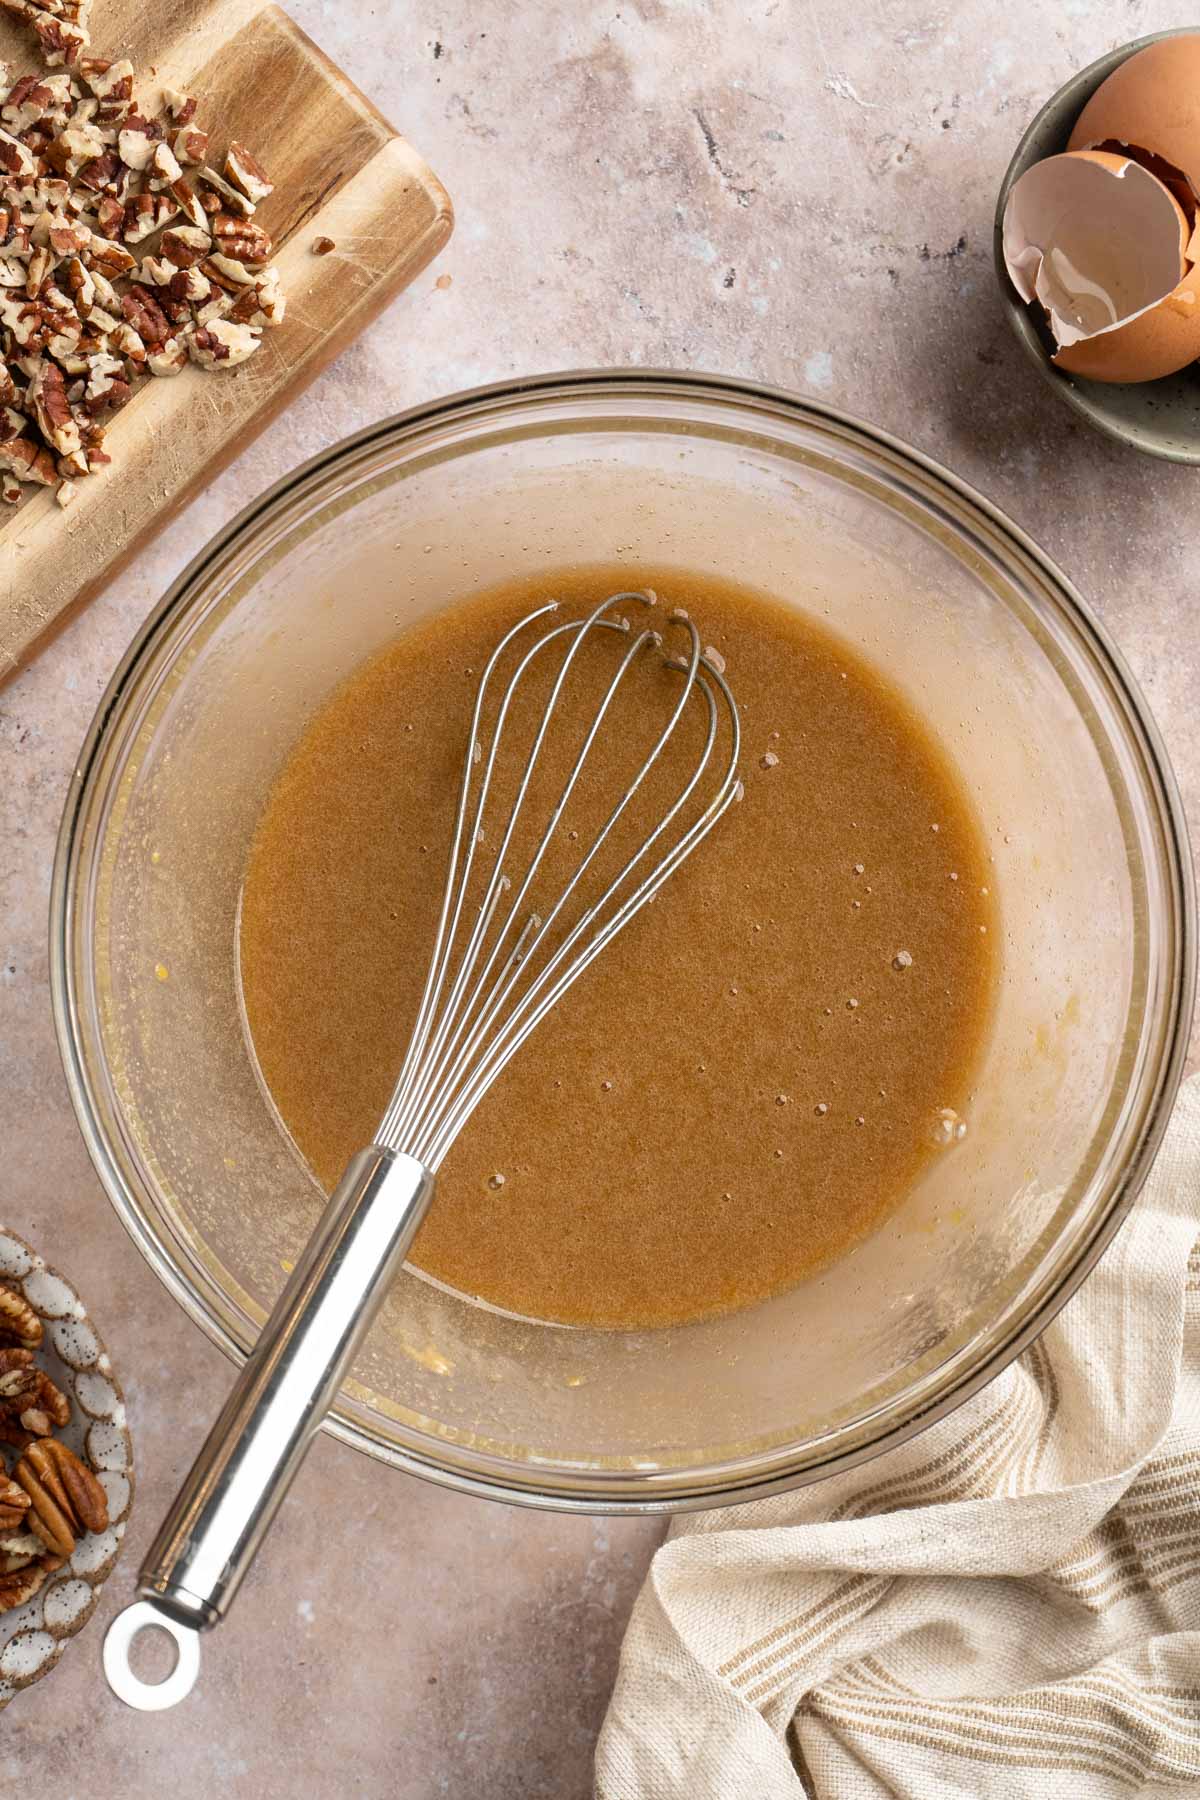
340	170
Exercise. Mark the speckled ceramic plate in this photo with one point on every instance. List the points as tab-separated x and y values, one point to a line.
33	1636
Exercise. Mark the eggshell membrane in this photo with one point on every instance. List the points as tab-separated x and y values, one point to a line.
1151	101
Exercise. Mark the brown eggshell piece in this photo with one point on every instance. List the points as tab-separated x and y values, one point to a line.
1150	102
1156	343
1103	246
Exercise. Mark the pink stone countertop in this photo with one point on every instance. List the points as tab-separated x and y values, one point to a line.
801	193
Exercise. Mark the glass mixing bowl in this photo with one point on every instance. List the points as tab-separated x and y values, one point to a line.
926	579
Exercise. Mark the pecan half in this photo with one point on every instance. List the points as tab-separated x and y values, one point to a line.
18	1549
30	1404
14	1504
65	1499
16	1589
19	1324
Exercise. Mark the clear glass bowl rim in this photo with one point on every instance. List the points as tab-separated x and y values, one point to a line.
318	479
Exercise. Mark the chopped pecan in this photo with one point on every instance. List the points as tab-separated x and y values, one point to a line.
61	41
182	107
65	1498
226	192
19	1324
321	246
168	358
92	433
185	244
126	342
84	173
67	239
247	174
15	158
137	140
80	153
40	264
144	313
227	272
222	344
110	258
190	144
216	307
112	84
80	283
145	214
96	168
29	100
163	168
263	302
188	202
110	214
106	385
189	287
156	271
241	238
28	461
65	492
47	395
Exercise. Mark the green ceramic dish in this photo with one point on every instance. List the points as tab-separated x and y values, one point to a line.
1160	417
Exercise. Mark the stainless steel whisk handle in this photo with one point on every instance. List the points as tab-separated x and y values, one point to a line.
227	1503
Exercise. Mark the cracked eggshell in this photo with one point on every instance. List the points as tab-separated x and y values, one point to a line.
1151	102
1107	250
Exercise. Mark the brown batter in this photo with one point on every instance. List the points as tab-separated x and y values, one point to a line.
746	1082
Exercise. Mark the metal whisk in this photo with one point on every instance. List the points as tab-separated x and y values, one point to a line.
502	958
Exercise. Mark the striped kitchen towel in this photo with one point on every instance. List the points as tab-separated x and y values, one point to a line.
1007	1607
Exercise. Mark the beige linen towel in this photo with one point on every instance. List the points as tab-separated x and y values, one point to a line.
1008	1606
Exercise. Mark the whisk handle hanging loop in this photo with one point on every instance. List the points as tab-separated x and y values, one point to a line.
225	1507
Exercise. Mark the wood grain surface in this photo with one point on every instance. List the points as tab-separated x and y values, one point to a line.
340	170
